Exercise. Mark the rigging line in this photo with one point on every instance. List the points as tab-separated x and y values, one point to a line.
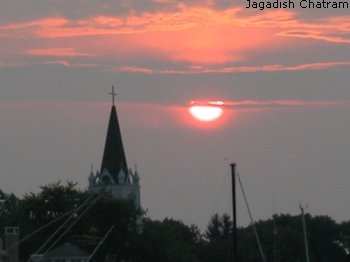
223	182
45	226
101	242
251	219
3	204
64	224
74	222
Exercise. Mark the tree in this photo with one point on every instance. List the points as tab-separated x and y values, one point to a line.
8	209
168	240
219	239
38	209
91	216
321	231
213	232
76	216
125	220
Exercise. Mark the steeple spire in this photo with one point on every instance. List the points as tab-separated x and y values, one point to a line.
114	156
113	94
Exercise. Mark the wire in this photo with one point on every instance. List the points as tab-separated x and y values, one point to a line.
64	223
74	222
45	226
100	243
72	212
220	193
251	219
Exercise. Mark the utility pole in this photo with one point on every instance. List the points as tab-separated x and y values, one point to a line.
234	215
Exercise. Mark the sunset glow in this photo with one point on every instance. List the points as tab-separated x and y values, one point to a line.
197	85
206	113
203	44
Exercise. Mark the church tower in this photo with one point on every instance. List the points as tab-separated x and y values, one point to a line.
114	175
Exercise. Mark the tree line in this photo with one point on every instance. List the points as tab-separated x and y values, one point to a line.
76	216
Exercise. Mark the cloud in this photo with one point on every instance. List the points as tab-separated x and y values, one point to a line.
237	69
316	35
134	69
17	64
197	34
141	106
51	22
68	64
272	68
56	52
189	34
253	104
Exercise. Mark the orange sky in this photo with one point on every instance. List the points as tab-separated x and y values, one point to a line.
186	36
283	74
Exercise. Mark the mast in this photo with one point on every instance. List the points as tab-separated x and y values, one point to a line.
276	254
234	216
307	258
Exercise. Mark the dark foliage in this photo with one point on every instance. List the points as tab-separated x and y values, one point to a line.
137	239
168	240
75	216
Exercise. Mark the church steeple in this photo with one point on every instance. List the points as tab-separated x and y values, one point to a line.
114	156
114	175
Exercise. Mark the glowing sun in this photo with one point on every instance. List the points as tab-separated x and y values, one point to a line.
206	113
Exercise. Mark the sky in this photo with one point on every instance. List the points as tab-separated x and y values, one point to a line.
282	73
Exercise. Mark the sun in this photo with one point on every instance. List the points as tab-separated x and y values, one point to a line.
208	112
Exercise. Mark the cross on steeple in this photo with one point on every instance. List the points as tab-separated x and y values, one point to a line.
113	94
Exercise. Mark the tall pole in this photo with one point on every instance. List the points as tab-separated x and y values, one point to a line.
307	259
276	255
234	216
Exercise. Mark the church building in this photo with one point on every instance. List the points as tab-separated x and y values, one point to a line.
114	175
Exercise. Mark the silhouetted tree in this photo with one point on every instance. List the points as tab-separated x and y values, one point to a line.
218	246
164	241
168	240
57	203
